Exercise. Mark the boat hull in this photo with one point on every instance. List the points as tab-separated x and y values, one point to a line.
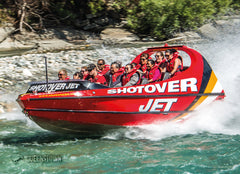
90	115
66	127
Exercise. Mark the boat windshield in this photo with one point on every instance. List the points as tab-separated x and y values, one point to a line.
63	85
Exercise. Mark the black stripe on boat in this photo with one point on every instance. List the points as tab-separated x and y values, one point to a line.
127	96
104	112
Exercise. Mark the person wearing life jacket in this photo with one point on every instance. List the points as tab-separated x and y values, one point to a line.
84	71
143	62
62	75
77	75
115	72
102	67
160	61
175	62
134	65
153	73
130	77
95	76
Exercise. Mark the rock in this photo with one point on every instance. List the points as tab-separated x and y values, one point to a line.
81	23
9	44
5	32
27	73
209	31
102	21
189	35
218	28
184	37
91	26
228	25
148	39
1	109
49	40
53	44
118	35
90	16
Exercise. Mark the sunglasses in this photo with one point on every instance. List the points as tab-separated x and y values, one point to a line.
167	55
142	59
157	56
60	74
100	64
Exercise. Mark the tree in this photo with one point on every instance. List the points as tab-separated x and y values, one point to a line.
29	14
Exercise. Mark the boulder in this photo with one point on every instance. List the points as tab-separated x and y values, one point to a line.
229	25
209	31
5	32
185	36
118	35
9	44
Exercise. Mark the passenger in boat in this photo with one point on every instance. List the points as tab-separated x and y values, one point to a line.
153	73
114	73
160	61
130	77
143	62
95	76
102	67
122	68
77	75
85	73
175	62
134	64
62	75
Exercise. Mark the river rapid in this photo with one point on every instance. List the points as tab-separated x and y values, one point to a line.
208	142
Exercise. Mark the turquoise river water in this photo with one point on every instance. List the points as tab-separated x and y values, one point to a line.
208	142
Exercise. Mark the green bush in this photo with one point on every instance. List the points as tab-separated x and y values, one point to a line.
5	14
162	18
235	5
96	5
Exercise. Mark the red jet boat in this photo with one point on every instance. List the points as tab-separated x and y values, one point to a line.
76	106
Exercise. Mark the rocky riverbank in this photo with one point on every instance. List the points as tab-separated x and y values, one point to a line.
58	39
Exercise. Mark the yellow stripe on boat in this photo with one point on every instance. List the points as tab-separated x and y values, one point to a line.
210	86
211	83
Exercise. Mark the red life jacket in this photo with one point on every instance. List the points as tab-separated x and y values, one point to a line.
86	77
99	78
143	68
170	64
150	74
126	77
137	67
160	63
105	70
118	73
